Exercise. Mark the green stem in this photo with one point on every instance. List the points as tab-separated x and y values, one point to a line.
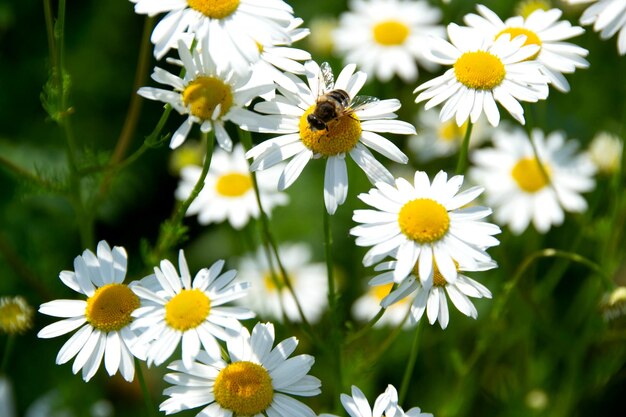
47	9
7	353
28	176
408	371
461	165
144	389
366	328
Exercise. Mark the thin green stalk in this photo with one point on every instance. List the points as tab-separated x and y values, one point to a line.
147	399
461	165
47	10
28	176
408	371
366	327
7	353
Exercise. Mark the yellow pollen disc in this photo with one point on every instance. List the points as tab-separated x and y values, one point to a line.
204	94
390	32
270	284
342	134
234	184
528	176
438	279
109	308
424	220
187	310
531	38
16	315
451	132
527	7
216	9
381	291
479	70
244	388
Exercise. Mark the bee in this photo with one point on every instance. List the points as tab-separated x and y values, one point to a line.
332	103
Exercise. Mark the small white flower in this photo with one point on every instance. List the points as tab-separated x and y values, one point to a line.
483	72
208	94
518	190
309	281
425	223
542	28
608	17
104	319
174	308
228	191
387	37
352	133
605	151
257	380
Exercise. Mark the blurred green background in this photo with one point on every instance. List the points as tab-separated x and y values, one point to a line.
549	353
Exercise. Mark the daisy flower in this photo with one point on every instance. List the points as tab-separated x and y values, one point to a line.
228	191
608	17
175	308
605	150
351	133
483	72
518	190
387	37
432	298
257	380
16	315
208	94
542	28
437	140
103	320
368	305
308	280
424	222
232	27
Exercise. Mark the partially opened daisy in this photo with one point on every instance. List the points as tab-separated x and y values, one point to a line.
208	94
387	37
425	223
266	297
352	133
16	315
542	28
103	320
608	17
518	190
483	72
228	192
174	308
256	380
233	27
432	298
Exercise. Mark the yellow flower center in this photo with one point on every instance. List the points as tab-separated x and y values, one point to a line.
244	388
203	95
381	291
16	315
531	38
189	153
479	70
234	184
270	283
187	309
451	132
528	176
424	220
438	279
390	32
109	308
527	7
216	9
342	134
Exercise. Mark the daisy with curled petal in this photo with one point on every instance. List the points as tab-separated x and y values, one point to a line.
208	94
432	298
103	320
517	188
608	17
353	132
257	380
483	72
424	223
542	28
174	308
387	37
228	191
233	27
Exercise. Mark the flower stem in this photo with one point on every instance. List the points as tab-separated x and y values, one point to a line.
7	353
461	165
408	371
147	399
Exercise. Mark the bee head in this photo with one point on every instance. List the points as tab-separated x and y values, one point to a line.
315	123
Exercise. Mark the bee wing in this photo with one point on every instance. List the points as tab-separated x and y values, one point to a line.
326	78
359	102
